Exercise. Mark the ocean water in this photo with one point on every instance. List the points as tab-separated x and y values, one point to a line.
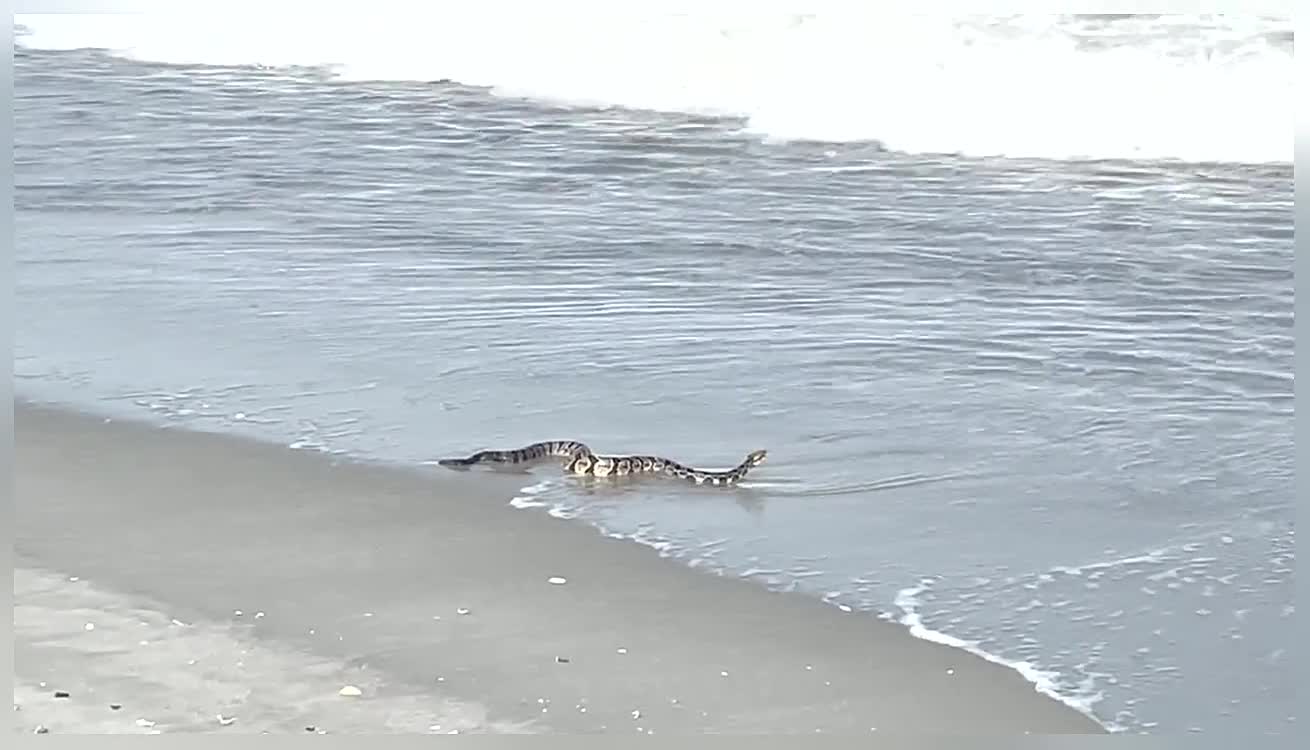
1020	346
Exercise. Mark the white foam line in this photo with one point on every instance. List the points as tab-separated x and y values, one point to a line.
1045	682
1154	556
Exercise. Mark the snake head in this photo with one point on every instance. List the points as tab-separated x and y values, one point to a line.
756	457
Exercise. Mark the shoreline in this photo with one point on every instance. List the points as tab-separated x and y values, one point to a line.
437	587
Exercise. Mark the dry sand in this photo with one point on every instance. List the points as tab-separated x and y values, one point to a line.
359	574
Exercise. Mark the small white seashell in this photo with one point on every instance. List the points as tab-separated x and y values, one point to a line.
462	611
145	723
557	580
350	691
622	650
226	720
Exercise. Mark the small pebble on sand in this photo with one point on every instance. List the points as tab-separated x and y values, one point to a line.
61	693
41	729
311	728
258	615
115	706
237	613
557	580
350	691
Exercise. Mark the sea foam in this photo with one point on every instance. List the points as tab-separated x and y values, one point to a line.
1050	86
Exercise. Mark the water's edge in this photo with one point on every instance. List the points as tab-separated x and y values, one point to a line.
1048	683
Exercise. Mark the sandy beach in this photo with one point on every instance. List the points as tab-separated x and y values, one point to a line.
203	582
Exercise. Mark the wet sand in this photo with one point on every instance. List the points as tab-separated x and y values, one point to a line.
430	593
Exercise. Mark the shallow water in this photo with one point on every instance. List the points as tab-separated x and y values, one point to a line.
1045	405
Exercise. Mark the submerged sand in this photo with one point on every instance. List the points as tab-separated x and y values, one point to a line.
431	594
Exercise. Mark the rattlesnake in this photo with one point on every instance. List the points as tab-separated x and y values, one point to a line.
580	460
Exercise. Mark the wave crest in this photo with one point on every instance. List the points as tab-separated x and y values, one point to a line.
1155	87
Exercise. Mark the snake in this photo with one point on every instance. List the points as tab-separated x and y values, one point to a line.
580	460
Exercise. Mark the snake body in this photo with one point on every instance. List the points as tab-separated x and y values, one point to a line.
529	453
580	460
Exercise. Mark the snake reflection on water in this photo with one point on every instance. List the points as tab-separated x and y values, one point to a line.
581	461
